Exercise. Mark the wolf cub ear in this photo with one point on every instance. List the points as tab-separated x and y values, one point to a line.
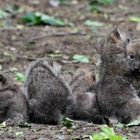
114	36
117	37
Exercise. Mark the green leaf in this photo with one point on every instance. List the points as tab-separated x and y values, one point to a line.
31	19
63	1
108	130
66	122
96	5
105	2
95	8
101	2
13	69
23	125
3	14
95	137
134	123
120	125
20	77
19	134
93	23
106	134
3	125
134	19
39	18
116	137
80	58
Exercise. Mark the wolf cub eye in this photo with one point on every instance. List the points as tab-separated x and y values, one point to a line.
131	56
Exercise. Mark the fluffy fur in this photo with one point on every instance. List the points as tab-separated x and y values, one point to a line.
49	95
13	103
117	96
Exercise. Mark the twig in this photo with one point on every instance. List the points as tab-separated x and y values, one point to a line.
26	58
10	71
62	34
59	34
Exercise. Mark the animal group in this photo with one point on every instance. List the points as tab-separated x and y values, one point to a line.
48	94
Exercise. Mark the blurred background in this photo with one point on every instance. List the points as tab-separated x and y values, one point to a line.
64	30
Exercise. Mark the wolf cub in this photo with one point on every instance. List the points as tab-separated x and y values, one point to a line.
85	106
117	97
49	95
13	103
133	57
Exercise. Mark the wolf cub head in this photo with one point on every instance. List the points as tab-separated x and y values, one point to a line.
133	55
130	47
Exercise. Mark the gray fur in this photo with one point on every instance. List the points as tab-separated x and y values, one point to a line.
84	106
49	95
133	57
116	95
13	103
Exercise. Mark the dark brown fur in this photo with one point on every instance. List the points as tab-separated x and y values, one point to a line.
83	80
133	57
13	103
49	95
116	95
84	106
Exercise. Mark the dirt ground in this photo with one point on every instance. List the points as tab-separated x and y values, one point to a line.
20	45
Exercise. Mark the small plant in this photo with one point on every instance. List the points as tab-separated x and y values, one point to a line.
20	76
68	123
94	25
63	1
133	123
56	3
80	58
3	124
38	18
95	5
3	14
134	19
19	134
107	133
120	125
24	125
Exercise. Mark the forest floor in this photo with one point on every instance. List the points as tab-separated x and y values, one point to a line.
21	44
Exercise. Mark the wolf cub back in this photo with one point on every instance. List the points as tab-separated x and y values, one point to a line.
84	105
48	94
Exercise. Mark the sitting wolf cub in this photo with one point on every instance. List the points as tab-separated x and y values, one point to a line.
133	57
115	93
48	94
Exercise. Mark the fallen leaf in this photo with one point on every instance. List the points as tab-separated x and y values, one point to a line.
3	125
80	58
39	18
134	123
134	19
